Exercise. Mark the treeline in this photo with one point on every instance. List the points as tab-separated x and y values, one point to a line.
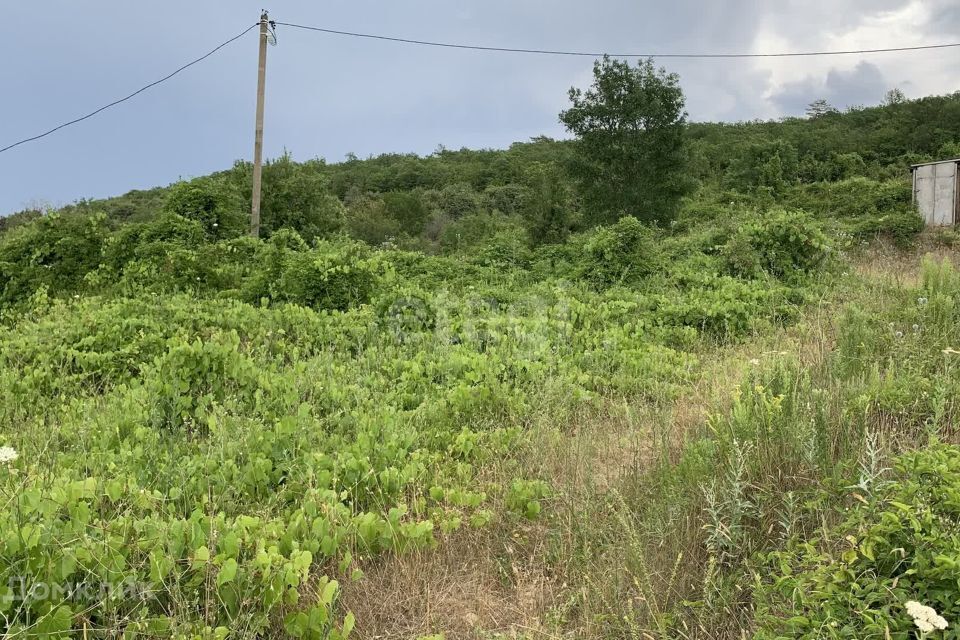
396	196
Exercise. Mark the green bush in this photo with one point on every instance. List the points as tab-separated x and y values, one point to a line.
334	275
862	207
209	202
474	230
619	254
368	220
456	200
900	547
772	165
151	240
407	210
902	224
508	199
296	195
780	242
54	251
506	248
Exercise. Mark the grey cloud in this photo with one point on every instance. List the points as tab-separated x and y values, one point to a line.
327	95
945	18
862	85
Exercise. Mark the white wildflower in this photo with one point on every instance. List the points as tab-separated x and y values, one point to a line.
925	618
921	301
8	455
899	334
754	361
916	327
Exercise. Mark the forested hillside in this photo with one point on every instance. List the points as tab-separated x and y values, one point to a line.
415	201
664	379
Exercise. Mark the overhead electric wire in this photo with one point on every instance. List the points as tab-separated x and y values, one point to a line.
450	45
135	93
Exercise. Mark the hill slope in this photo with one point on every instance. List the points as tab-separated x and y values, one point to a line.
434	400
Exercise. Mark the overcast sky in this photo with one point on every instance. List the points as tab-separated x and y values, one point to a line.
330	95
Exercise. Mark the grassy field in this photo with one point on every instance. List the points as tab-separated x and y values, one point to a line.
456	465
450	397
664	510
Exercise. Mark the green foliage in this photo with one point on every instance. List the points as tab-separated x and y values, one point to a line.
780	242
191	379
524	497
548	210
629	155
621	253
210	203
225	422
295	196
476	229
900	547
508	199
407	209
772	165
862	207
368	220
455	200
54	252
333	275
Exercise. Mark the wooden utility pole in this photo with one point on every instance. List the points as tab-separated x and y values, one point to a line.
258	142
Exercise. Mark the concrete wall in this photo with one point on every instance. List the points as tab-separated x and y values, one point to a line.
935	192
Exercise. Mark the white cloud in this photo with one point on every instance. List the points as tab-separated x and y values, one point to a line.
855	79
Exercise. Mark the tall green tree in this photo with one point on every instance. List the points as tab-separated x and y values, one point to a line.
629	155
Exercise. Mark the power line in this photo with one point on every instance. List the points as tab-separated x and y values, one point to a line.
137	92
450	45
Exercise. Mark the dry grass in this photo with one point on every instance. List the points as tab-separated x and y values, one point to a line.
475	580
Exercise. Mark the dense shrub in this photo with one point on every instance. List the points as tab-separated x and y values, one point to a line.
863	207
210	203
455	200
780	242
549	211
367	220
151	240
54	252
900	547
333	275
294	196
773	165
508	199
725	306
191	379
505	249
620	253
475	229
407	210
